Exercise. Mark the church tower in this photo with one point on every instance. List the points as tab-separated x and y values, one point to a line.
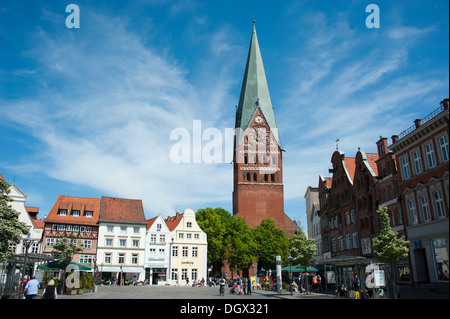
258	162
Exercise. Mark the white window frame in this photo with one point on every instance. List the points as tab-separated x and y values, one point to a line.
425	212
404	164
443	148
417	161
412	212
438	202
429	154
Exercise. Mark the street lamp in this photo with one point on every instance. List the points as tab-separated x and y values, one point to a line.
290	270
26	242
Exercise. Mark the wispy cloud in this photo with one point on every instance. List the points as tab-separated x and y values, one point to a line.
104	110
349	84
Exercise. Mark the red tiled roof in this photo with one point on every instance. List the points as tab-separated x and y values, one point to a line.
122	210
74	203
150	222
1	177
372	159
173	221
38	223
350	166
32	209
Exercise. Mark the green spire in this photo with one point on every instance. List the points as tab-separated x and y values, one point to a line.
254	93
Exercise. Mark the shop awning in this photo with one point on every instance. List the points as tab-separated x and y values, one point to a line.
31	258
345	260
298	268
55	265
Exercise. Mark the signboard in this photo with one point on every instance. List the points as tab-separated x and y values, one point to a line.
378	278
253	281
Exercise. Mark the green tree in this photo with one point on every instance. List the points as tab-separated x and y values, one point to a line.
215	223
239	244
270	242
63	251
11	229
302	249
389	246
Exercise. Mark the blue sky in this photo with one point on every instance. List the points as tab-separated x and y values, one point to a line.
89	111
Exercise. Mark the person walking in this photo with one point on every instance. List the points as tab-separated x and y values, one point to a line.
249	286
31	288
239	285
222	286
50	291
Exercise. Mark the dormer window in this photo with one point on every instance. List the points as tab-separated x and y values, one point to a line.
62	212
76	213
89	214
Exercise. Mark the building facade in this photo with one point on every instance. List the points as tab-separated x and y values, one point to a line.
75	218
121	247
157	251
313	217
258	168
422	157
388	194
189	249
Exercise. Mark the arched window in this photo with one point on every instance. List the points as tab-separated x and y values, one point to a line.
266	177
245	159
274	160
248	177
272	177
255	177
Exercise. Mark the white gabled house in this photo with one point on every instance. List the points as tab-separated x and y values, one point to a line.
157	251
189	249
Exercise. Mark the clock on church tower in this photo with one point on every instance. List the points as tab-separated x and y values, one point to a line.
258	164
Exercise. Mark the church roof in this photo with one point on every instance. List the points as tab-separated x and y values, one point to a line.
254	94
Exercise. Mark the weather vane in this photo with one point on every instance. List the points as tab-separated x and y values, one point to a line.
337	143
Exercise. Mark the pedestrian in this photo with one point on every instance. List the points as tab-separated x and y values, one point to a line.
31	288
222	286
187	281
50	290
249	286
239	285
314	283
355	282
319	280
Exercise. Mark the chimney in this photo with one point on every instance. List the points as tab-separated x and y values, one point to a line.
394	138
417	123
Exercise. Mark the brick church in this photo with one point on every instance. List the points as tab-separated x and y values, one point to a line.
258	161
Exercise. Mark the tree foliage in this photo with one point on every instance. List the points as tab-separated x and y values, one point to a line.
239	244
303	249
11	229
215	223
389	247
64	251
270	242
